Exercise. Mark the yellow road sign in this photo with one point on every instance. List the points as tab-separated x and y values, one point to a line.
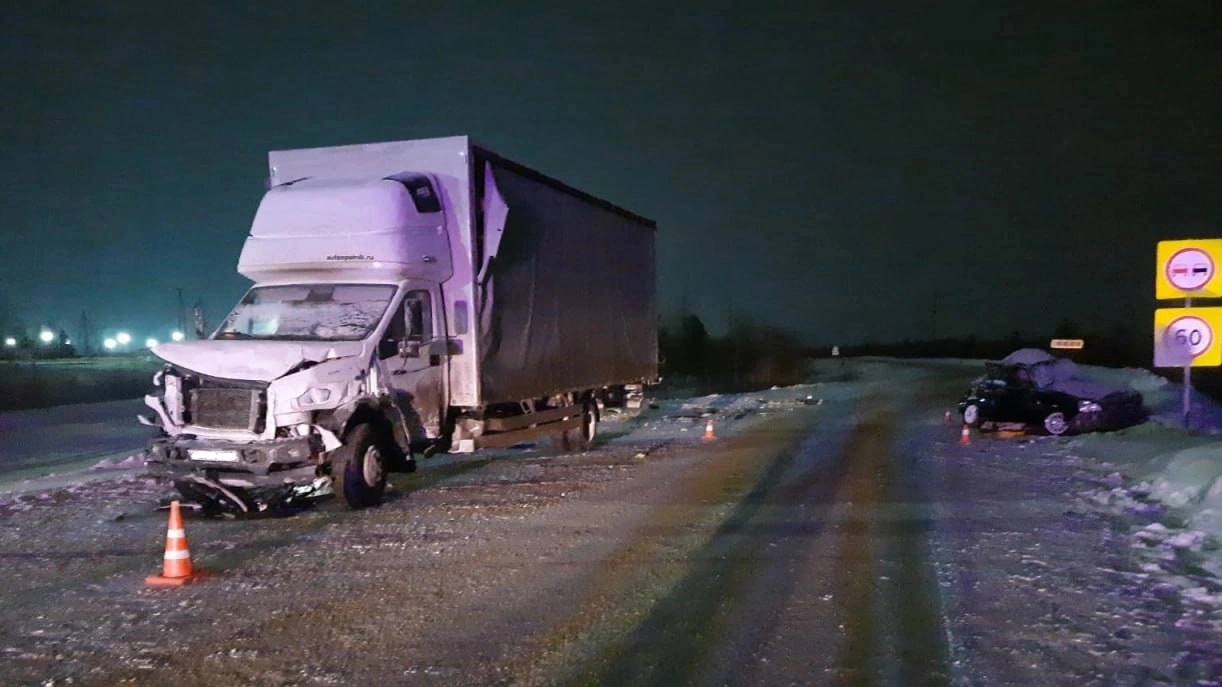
1189	269
1187	337
1067	344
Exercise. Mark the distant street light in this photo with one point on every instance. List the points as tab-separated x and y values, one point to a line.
110	344
176	335
150	342
10	341
123	338
46	336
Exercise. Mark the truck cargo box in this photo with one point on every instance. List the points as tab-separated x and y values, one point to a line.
562	283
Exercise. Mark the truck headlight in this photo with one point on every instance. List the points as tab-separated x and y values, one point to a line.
1088	407
312	397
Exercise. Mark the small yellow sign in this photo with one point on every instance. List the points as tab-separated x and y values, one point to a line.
1067	344
1189	269
1187	337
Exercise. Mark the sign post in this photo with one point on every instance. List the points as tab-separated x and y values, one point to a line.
1195	328
1186	337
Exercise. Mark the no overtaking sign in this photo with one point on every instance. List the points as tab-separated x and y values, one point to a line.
1189	269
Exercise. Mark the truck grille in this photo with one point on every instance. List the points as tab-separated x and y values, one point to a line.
227	408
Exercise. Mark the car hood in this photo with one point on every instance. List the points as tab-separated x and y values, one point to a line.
261	361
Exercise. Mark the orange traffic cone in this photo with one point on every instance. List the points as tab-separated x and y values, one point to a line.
176	568
965	436
708	430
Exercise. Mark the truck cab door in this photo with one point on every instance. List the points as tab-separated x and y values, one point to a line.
413	354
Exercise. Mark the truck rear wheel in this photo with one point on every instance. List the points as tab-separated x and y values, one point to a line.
589	422
581	438
358	469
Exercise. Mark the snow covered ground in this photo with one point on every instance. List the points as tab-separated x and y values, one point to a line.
1163	462
1154	491
1160	464
1160	461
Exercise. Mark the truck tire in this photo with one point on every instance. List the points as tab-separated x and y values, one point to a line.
589	423
580	438
568	440
357	468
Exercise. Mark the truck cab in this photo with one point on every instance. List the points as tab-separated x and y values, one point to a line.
342	328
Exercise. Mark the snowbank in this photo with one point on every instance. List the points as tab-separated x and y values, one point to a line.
1181	468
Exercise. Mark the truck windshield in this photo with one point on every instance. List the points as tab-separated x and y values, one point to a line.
310	312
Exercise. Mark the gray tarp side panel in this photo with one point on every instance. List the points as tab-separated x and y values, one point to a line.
569	302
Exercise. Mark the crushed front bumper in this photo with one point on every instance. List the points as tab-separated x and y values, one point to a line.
238	463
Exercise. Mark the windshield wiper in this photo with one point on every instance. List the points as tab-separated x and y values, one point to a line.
234	335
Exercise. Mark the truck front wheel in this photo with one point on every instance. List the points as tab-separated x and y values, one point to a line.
358	469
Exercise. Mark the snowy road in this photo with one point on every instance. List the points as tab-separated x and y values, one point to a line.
850	543
821	574
35	442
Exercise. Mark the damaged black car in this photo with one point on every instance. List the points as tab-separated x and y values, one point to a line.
1032	389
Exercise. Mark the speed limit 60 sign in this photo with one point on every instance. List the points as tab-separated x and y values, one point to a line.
1189	269
1187	337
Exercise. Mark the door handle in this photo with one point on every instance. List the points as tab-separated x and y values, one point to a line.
399	372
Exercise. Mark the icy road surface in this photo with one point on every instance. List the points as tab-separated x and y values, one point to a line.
38	443
853	542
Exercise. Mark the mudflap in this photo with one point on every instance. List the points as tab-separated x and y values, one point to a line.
213	499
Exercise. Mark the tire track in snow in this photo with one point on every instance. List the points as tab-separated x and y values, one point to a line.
822	572
896	633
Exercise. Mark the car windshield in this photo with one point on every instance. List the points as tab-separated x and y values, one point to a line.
309	312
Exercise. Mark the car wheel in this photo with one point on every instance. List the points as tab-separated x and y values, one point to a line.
971	415
1055	423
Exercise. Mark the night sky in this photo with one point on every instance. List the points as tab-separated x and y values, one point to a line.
823	166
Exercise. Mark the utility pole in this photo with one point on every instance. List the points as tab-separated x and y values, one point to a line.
733	337
86	336
933	317
198	315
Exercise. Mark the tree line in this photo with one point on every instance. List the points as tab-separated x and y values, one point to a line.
750	355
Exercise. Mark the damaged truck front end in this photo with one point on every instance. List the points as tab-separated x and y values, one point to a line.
249	445
224	443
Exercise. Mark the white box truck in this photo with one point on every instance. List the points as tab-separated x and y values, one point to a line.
409	297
